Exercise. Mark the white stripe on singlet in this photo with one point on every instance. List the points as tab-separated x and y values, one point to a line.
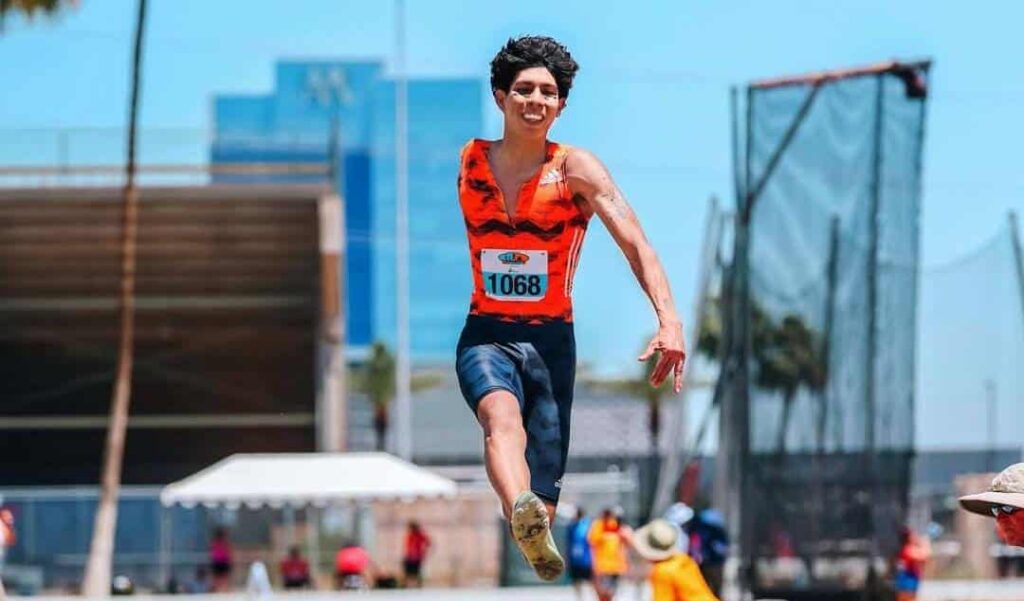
570	267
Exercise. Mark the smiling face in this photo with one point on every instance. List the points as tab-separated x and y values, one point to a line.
531	104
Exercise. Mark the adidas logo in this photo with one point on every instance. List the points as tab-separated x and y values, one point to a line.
551	177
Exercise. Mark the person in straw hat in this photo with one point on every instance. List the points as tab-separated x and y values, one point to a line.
1004	501
674	575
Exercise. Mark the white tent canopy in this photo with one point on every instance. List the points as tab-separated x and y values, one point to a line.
301	479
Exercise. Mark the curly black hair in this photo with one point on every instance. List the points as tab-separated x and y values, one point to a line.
533	51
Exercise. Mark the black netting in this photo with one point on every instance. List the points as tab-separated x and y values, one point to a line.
971	349
832	176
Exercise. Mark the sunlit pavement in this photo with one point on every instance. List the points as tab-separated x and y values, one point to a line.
951	590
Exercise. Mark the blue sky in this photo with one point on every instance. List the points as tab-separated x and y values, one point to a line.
650	99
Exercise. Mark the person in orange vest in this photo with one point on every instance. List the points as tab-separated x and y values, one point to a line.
609	542
674	575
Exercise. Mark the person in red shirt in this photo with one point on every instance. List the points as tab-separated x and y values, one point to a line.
352	567
295	570
417	543
910	565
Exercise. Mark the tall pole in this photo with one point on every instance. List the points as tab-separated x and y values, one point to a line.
330	90
101	550
403	404
673	464
870	399
1018	256
990	426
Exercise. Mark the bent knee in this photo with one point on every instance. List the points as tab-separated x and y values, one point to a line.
498	413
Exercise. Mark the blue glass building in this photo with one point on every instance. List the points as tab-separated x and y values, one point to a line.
292	124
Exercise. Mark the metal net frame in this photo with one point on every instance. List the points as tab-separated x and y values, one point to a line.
817	385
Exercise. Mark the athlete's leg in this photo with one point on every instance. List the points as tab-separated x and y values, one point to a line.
504	446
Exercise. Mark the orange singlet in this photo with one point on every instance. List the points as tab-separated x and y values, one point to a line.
523	264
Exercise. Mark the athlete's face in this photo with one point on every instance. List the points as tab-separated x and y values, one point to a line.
532	102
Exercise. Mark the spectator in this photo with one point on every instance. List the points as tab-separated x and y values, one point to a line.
295	570
257	585
680	515
709	546
200	584
417	543
581	561
909	566
674	575
608	538
1004	501
352	567
7	539
221	560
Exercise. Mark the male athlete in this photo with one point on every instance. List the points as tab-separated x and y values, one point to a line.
526	203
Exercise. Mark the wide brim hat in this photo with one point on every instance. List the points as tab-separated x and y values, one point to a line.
657	540
1007	489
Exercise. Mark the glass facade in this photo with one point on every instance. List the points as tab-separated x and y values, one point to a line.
293	124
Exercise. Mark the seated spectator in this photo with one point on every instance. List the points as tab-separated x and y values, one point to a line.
295	570
352	567
200	584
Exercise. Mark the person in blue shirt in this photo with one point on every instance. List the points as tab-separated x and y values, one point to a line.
581	562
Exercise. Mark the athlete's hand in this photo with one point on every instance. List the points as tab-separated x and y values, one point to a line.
668	342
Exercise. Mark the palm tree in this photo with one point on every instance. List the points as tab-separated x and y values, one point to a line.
377	380
787	359
30	8
101	550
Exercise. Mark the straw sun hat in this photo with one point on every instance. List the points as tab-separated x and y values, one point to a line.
656	541
1007	489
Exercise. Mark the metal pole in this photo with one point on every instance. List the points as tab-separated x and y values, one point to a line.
1018	256
870	400
726	439
670	468
403	404
990	399
331	404
166	570
826	343
817	501
748	577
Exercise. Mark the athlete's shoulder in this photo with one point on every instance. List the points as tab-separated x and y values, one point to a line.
584	168
471	146
581	160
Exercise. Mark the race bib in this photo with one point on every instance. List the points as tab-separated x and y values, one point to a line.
520	275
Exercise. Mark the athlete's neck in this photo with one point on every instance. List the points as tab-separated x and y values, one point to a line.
518	154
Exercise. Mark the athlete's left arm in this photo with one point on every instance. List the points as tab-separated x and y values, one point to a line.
587	177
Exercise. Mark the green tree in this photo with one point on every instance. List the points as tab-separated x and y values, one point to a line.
31	8
376	379
787	355
787	358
